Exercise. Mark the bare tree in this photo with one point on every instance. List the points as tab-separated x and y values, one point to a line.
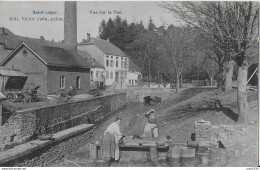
144	47
176	49
233	27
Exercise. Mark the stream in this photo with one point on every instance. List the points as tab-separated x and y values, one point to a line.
131	116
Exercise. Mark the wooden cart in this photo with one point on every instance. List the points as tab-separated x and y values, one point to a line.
12	85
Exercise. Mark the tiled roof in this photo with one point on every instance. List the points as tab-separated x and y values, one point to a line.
11	41
89	59
53	53
105	46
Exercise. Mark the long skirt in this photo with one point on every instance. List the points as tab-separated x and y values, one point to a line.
108	146
150	130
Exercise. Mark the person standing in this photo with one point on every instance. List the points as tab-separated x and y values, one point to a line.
151	127
110	142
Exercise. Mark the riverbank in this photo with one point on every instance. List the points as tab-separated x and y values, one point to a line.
176	118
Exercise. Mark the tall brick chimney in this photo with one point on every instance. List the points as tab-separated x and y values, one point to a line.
70	24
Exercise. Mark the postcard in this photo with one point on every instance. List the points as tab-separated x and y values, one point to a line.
129	84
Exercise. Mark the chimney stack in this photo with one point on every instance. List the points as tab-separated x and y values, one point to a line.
42	38
88	36
70	24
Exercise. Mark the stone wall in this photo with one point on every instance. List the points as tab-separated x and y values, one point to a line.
39	153
52	119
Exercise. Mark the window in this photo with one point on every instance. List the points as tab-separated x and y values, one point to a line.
97	74
107	56
132	82
122	64
116	63
107	63
111	63
111	75
107	75
91	76
129	82
125	64
78	82
111	57
62	82
24	53
135	81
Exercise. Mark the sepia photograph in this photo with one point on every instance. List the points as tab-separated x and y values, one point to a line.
129	84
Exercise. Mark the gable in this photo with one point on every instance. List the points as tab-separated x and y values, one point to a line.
20	49
52	56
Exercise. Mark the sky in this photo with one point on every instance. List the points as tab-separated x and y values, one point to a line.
30	23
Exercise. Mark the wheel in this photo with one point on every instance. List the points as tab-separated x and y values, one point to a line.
27	99
19	97
10	97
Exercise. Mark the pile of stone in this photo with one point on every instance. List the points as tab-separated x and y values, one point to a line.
202	130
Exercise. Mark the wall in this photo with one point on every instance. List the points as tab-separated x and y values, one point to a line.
70	79
133	76
51	119
32	67
39	153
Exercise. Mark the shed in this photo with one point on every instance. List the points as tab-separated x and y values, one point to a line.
12	79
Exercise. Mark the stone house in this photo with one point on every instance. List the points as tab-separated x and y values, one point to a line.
53	68
113	59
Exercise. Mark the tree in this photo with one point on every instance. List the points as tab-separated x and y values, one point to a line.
145	52
101	29
151	25
233	26
176	50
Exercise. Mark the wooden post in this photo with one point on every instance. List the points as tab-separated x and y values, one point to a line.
153	154
93	151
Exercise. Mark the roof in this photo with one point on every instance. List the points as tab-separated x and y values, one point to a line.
51	53
133	66
105	46
11	40
11	73
89	59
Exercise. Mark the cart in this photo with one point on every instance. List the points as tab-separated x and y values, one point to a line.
12	85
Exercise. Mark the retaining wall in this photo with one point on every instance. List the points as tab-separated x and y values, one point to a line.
39	153
55	118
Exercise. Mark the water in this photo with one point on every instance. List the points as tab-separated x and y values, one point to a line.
133	123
